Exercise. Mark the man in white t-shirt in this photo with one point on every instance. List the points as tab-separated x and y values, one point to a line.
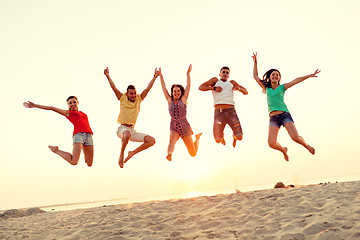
224	104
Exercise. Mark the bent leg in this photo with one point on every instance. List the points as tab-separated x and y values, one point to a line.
148	142
72	159
291	128
124	142
191	146
89	154
272	141
174	137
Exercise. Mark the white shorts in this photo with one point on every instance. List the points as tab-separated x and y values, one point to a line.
135	136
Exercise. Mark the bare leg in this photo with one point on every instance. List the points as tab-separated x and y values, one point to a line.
124	142
291	128
148	142
191	146
72	159
272	141
174	137
89	154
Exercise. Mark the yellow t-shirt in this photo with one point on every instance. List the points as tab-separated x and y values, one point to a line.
129	111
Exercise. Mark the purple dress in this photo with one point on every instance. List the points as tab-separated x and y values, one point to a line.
179	122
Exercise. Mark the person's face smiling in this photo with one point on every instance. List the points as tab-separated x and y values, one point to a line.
131	94
176	93
73	104
275	77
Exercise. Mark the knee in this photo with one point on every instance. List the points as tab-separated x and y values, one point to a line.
89	162
74	161
271	143
150	140
126	136
192	154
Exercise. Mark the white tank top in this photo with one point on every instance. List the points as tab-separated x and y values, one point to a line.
226	96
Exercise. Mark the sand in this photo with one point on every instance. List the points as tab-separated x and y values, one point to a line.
327	211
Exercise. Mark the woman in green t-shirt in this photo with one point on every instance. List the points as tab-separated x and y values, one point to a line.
278	112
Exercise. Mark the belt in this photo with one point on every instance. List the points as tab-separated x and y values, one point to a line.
128	125
224	109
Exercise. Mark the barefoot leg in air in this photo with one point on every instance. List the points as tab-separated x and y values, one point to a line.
88	154
191	146
272	141
148	142
124	142
174	137
291	128
72	159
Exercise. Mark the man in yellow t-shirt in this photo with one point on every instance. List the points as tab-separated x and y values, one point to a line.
129	111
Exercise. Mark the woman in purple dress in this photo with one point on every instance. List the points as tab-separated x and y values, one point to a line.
179	125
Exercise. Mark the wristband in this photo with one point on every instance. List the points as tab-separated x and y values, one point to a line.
214	88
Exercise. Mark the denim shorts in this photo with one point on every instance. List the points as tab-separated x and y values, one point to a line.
280	119
223	117
84	138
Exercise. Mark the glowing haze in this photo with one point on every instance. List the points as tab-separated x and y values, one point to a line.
53	49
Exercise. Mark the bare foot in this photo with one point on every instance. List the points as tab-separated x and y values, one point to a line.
121	160
53	148
234	141
285	154
197	136
223	141
168	157
130	154
311	149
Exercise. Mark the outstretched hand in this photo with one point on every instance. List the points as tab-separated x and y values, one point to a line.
106	71
254	56
189	69
29	104
317	71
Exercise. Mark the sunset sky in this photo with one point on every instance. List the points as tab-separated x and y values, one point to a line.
53	49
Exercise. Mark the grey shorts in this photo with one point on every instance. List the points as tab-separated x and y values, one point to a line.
84	138
223	117
280	119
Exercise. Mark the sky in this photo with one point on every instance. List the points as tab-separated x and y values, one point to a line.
53	49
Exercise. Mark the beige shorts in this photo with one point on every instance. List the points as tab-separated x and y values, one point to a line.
135	136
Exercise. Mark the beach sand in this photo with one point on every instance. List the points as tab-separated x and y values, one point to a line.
326	211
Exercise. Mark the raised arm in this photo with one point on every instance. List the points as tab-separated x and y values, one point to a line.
163	86
300	79
255	72
57	110
151	83
112	84
188	83
238	87
210	85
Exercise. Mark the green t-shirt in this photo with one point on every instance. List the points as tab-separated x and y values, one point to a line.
275	99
